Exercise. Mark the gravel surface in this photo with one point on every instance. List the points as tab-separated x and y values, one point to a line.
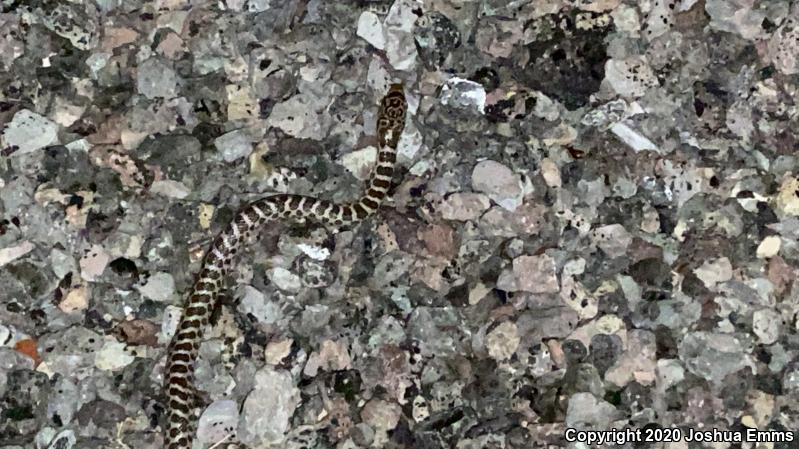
594	223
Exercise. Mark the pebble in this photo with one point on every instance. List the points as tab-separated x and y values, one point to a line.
159	287
333	356
787	202
254	302
112	356
12	253
233	145
381	415
783	46
93	263
76	300
64	440
139	332
586	412
769	247
713	355
612	239
535	274
156	79
630	77
633	138
499	183
503	341
170	189
276	351
360	162
714	271
285	279
371	30
62	263
297	117
462	93
550	173
28	132
766	324
269	407
399	26
638	363
218	422
737	18
464	206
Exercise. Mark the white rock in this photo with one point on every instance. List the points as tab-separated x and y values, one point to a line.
715	271
736	16
112	356
769	247
360	162
61	262
314	252
169	323
409	143
170	188
659	19
464	93
276	351
669	372
550	172
638	362
585	411
626	20
464	206
766	324
233	145
285	279
333	356
613	239
159	287
5	336
254	302
398	25
381	415
633	138
93	263
76	299
268	408
297	117
499	183
29	131
258	5
13	253
630	77
218	422
155	78
503	341
784	45
371	30
787	202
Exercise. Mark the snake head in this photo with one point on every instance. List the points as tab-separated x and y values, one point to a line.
396	88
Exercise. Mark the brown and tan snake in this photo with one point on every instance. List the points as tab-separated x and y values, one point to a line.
182	351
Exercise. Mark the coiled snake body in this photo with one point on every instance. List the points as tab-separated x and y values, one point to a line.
182	351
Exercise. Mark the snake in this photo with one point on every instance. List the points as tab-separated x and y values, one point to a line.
181	395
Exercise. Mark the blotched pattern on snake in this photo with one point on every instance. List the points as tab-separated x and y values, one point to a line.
182	351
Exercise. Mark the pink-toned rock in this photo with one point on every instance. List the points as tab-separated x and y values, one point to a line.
464	206
439	240
535	274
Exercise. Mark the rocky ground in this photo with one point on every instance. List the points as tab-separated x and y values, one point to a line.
593	224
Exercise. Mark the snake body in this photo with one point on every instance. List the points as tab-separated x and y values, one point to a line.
183	349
